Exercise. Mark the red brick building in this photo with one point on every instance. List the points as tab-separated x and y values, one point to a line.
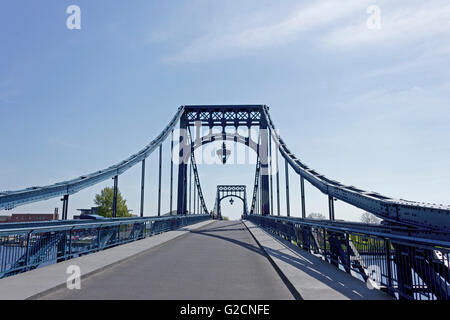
30	217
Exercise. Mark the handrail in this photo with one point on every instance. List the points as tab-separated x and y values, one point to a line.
93	224
361	230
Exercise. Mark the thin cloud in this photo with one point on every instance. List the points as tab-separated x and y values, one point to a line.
331	25
308	18
398	25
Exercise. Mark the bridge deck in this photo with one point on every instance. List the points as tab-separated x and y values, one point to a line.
209	260
218	261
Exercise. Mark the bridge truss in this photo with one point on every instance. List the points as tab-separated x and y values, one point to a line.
231	191
417	224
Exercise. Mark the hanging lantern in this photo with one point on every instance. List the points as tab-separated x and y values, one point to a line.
231	201
223	153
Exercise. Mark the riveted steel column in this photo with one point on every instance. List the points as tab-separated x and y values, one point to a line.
116	182
278	183
258	192
65	201
195	199
183	155
265	198
190	188
271	171
142	188
331	207
198	202
288	205
302	187
171	174
160	180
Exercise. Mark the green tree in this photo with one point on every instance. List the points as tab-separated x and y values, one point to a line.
369	218
104	201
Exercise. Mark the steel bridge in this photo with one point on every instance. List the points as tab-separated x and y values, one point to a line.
409	249
224	192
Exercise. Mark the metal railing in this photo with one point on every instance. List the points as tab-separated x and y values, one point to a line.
24	247
405	267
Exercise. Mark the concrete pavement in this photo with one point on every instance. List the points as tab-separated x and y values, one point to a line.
219	261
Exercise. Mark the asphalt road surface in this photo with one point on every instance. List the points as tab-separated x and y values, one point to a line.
219	261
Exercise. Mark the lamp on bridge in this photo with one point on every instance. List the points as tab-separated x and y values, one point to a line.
231	201
223	153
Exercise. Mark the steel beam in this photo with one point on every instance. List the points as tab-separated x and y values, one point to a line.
171	174
190	188
331	207
271	171
160	180
116	185
288	205
263	149
195	200
278	183
302	188
142	188
184	147
65	201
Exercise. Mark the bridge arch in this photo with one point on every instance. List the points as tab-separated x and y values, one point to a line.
230	191
222	116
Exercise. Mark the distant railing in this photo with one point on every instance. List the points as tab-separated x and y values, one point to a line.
404	267
27	246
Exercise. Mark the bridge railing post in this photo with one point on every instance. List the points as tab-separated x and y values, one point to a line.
387	245
325	245
27	252
347	244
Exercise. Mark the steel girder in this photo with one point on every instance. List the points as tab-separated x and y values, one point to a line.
226	191
422	215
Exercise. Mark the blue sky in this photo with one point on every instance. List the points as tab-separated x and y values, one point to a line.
366	107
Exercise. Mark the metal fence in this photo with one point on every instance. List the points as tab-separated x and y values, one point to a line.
24	247
405	267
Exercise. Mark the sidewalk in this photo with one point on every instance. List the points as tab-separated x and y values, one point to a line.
313	278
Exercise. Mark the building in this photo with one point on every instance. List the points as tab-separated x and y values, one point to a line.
91	211
30	217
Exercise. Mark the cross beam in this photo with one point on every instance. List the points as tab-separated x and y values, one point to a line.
226	191
222	116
